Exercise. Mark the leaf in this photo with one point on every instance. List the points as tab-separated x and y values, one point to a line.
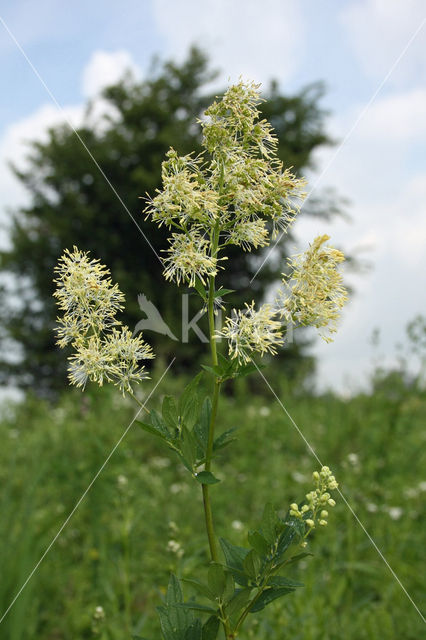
216	578
281	581
174	591
170	412
299	557
235	557
252	564
158	423
269	595
189	402
229	587
292	527
150	429
258	542
200	288
194	631
201	588
206	477
222	292
202	426
269	523
196	606
188	446
239	601
211	628
224	439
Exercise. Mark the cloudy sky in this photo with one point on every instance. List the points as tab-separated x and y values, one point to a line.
371	55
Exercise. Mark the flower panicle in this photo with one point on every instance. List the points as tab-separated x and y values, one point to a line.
188	258
250	330
314	511
104	350
314	293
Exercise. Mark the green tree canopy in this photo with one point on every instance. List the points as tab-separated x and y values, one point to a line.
73	204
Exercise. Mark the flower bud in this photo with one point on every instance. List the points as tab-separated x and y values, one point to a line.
323	523
324	514
331	502
310	523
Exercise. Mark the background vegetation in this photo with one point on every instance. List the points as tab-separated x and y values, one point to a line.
116	552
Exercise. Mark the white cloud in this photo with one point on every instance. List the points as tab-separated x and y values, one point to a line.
106	68
257	40
379	30
14	148
400	117
102	69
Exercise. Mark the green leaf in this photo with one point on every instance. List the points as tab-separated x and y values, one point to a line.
229	587
216	578
196	606
149	429
299	557
269	595
188	447
235	557
238	601
189	402
258	542
201	428
158	423
224	439
206	477
281	581
194	631
200	288
211	628
269	523
223	292
174	591
170	412
252	564
202	589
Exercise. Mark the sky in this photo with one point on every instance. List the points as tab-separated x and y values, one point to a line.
371	54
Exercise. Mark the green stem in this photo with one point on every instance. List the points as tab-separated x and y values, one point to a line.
209	451
142	406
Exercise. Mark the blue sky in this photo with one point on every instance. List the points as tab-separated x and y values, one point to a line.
351	45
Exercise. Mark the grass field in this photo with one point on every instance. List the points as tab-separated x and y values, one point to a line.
142	518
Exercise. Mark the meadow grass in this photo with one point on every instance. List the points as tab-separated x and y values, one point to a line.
116	549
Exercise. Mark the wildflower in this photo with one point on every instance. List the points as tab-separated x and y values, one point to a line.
189	259
86	295
186	196
315	500
252	330
104	351
315	294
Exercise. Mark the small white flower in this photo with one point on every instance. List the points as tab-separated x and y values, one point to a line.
264	412
237	525
395	512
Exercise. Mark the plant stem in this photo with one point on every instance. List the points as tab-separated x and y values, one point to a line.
138	401
209	451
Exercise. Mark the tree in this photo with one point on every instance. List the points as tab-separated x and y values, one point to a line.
72	204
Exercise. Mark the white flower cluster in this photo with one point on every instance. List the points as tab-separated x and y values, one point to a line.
229	194
315	294
316	501
252	330
314	298
105	351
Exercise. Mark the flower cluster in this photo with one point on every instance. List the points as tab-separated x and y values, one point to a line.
315	299
189	258
314	511
105	351
315	294
237	191
252	330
